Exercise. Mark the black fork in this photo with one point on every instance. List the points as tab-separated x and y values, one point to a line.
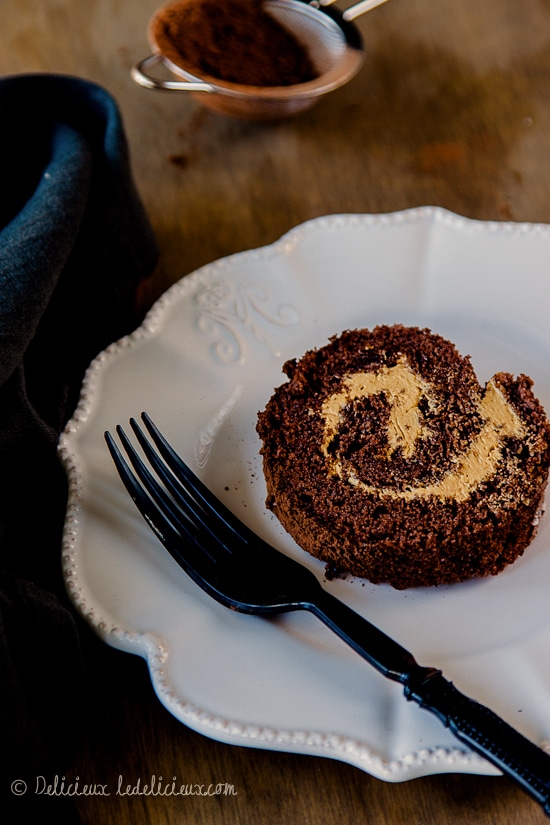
240	570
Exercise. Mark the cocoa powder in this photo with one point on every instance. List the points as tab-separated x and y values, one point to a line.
237	41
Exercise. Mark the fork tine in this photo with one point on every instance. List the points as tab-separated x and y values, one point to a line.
169	525
153	488
150	511
196	552
184	493
213	507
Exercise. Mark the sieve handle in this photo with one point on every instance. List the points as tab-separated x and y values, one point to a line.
139	74
354	11
361	8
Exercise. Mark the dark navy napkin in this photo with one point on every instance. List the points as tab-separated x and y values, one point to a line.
75	243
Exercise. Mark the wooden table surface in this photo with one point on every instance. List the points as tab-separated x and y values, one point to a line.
452	108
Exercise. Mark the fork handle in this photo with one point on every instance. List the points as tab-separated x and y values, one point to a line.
475	725
486	733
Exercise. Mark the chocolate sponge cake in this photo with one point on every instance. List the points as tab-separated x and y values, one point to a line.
384	457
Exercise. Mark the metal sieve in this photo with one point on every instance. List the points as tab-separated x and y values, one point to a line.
333	42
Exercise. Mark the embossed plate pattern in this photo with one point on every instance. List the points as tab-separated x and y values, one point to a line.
203	363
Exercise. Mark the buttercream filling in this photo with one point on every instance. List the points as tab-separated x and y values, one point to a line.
403	390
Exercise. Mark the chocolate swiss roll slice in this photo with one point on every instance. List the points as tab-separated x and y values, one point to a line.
385	458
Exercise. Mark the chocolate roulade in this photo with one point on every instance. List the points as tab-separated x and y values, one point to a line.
385	458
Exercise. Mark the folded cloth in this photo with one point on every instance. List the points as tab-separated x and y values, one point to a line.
75	243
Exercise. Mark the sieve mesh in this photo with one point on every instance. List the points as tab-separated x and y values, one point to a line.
320	35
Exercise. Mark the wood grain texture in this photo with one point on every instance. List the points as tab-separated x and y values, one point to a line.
450	109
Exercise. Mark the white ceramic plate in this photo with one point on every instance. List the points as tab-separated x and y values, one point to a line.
203	363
